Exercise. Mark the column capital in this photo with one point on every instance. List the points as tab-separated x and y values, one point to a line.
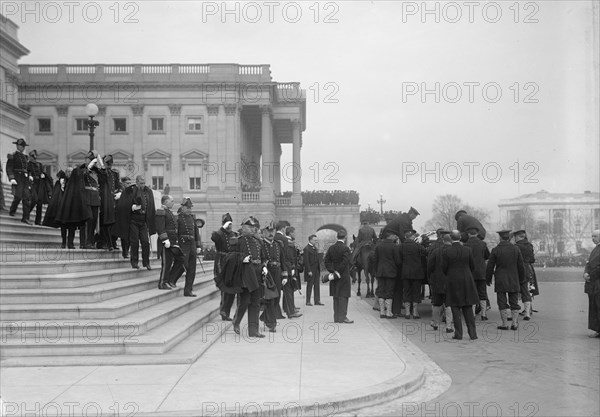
102	110
266	109
175	109
212	109
138	109
62	111
231	109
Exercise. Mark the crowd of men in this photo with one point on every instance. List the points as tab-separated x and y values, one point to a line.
457	267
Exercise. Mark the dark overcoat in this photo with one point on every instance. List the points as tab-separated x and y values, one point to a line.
458	267
72	209
412	255
466	221
51	211
338	258
506	265
311	263
123	211
386	258
435	273
481	253
110	184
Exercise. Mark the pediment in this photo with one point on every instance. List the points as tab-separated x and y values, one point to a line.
121	155
194	154
77	156
46	156
157	154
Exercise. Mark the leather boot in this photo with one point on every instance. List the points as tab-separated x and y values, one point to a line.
388	307
449	320
415	311
527	308
483	304
504	318
515	320
435	316
381	308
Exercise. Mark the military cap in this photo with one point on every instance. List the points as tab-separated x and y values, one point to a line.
458	213
503	232
186	201
520	232
249	221
92	154
108	159
256	222
33	153
414	210
226	218
20	142
269	226
200	223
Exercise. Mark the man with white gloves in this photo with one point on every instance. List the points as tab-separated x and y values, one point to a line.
170	254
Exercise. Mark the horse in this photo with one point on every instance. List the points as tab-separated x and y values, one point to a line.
364	263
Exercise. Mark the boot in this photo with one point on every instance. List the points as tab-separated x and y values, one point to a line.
407	310
515	320
381	308
527	309
415	311
449	320
504	318
483	304
388	306
435	317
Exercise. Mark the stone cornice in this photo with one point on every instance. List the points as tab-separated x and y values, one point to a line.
20	112
12	45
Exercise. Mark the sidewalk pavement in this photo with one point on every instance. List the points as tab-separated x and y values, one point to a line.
310	366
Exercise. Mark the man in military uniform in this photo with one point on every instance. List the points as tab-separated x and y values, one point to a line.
168	245
412	256
526	249
138	211
591	276
250	248
20	179
110	186
401	223
189	242
366	236
293	255
286	271
222	240
481	254
337	261
91	195
506	265
274	258
464	221
39	188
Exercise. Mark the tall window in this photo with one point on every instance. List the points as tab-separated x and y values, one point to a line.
194	124
157	124
158	176
81	125
195	173
120	124
557	223
44	125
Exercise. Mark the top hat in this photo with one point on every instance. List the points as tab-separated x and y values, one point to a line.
20	142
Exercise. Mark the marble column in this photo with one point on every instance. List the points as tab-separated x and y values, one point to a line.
230	166
267	169
176	178
138	138
212	169
277	167
62	135
297	170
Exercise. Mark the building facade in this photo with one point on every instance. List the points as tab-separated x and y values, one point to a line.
213	132
559	224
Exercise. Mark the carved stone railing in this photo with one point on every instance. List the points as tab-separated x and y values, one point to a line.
250	196
283	201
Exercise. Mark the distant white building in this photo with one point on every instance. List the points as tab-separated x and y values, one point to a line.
557	223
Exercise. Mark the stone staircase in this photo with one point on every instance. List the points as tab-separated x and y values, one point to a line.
89	307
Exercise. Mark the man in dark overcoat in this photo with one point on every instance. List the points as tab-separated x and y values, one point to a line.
110	185
402	223
481	254
387	263
412	255
20	180
591	276
366	236
337	261
312	270
528	253
506	266
437	282
465	221
188	237
461	293
168	243
122	213
72	210
137	212
222	240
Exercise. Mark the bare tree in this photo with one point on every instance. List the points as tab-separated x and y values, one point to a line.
445	208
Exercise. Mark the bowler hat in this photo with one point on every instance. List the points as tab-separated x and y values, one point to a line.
20	142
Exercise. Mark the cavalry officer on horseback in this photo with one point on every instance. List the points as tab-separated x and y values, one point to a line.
363	247
402	223
366	236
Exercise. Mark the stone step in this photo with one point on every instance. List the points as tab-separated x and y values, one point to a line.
156	341
88	294
133	324
73	279
61	267
113	308
41	252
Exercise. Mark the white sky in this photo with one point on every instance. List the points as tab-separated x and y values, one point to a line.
369	54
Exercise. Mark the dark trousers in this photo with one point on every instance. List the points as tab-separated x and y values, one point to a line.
125	247
412	290
385	288
68	235
481	289
189	265
138	232
438	299
340	309
270	313
525	295
2	206
106	234
513	300
397	298
457	313
310	283
171	262
90	226
21	192
226	303
248	301
288	298
38	212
